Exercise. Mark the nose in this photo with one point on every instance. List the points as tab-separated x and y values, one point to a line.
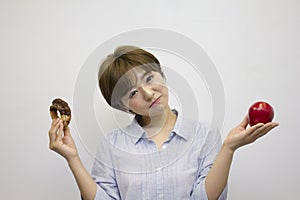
147	92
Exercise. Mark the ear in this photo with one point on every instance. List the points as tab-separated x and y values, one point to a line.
131	112
126	109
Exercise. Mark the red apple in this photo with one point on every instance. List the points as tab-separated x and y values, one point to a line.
260	112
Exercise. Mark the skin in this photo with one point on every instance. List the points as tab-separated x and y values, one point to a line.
157	120
239	136
62	142
149	98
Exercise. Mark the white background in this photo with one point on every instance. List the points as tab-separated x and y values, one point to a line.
254	44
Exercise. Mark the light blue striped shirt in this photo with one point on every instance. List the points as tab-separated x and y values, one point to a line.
129	166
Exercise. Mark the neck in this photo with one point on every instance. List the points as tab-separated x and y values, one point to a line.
156	123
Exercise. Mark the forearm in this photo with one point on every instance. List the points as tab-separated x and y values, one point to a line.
217	177
85	183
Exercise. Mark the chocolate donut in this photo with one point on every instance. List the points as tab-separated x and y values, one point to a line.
64	110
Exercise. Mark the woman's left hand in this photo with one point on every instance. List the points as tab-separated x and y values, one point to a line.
240	136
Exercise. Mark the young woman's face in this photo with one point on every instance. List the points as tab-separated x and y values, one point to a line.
149	94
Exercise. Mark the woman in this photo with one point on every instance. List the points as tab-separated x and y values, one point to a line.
167	155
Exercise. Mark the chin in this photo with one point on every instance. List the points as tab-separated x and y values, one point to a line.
157	110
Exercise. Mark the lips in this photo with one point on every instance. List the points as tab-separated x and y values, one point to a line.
156	101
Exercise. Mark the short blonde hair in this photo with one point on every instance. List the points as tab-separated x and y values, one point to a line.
119	63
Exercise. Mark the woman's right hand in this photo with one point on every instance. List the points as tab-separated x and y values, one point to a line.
61	140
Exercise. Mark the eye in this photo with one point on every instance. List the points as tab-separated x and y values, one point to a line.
149	78
132	94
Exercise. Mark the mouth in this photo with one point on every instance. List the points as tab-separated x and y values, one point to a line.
156	101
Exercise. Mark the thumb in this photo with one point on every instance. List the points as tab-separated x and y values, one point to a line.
245	122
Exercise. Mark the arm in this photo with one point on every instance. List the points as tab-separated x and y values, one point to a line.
85	183
62	142
209	152
217	178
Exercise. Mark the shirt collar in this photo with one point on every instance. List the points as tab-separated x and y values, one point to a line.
179	124
136	132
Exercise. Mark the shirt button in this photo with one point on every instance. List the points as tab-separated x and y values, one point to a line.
164	146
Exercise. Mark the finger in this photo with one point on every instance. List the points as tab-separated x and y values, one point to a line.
55	121
274	124
53	132
245	122
262	130
265	129
250	131
67	131
60	131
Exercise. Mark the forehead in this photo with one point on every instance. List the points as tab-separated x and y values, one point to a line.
133	75
136	72
129	80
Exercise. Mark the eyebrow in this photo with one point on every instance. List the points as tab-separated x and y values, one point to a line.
145	74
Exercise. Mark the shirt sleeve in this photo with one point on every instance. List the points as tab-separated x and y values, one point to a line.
104	175
211	148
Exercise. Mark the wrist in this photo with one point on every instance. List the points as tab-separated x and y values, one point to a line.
227	149
74	160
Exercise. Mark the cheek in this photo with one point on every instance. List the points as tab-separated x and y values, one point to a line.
160	85
164	89
133	104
